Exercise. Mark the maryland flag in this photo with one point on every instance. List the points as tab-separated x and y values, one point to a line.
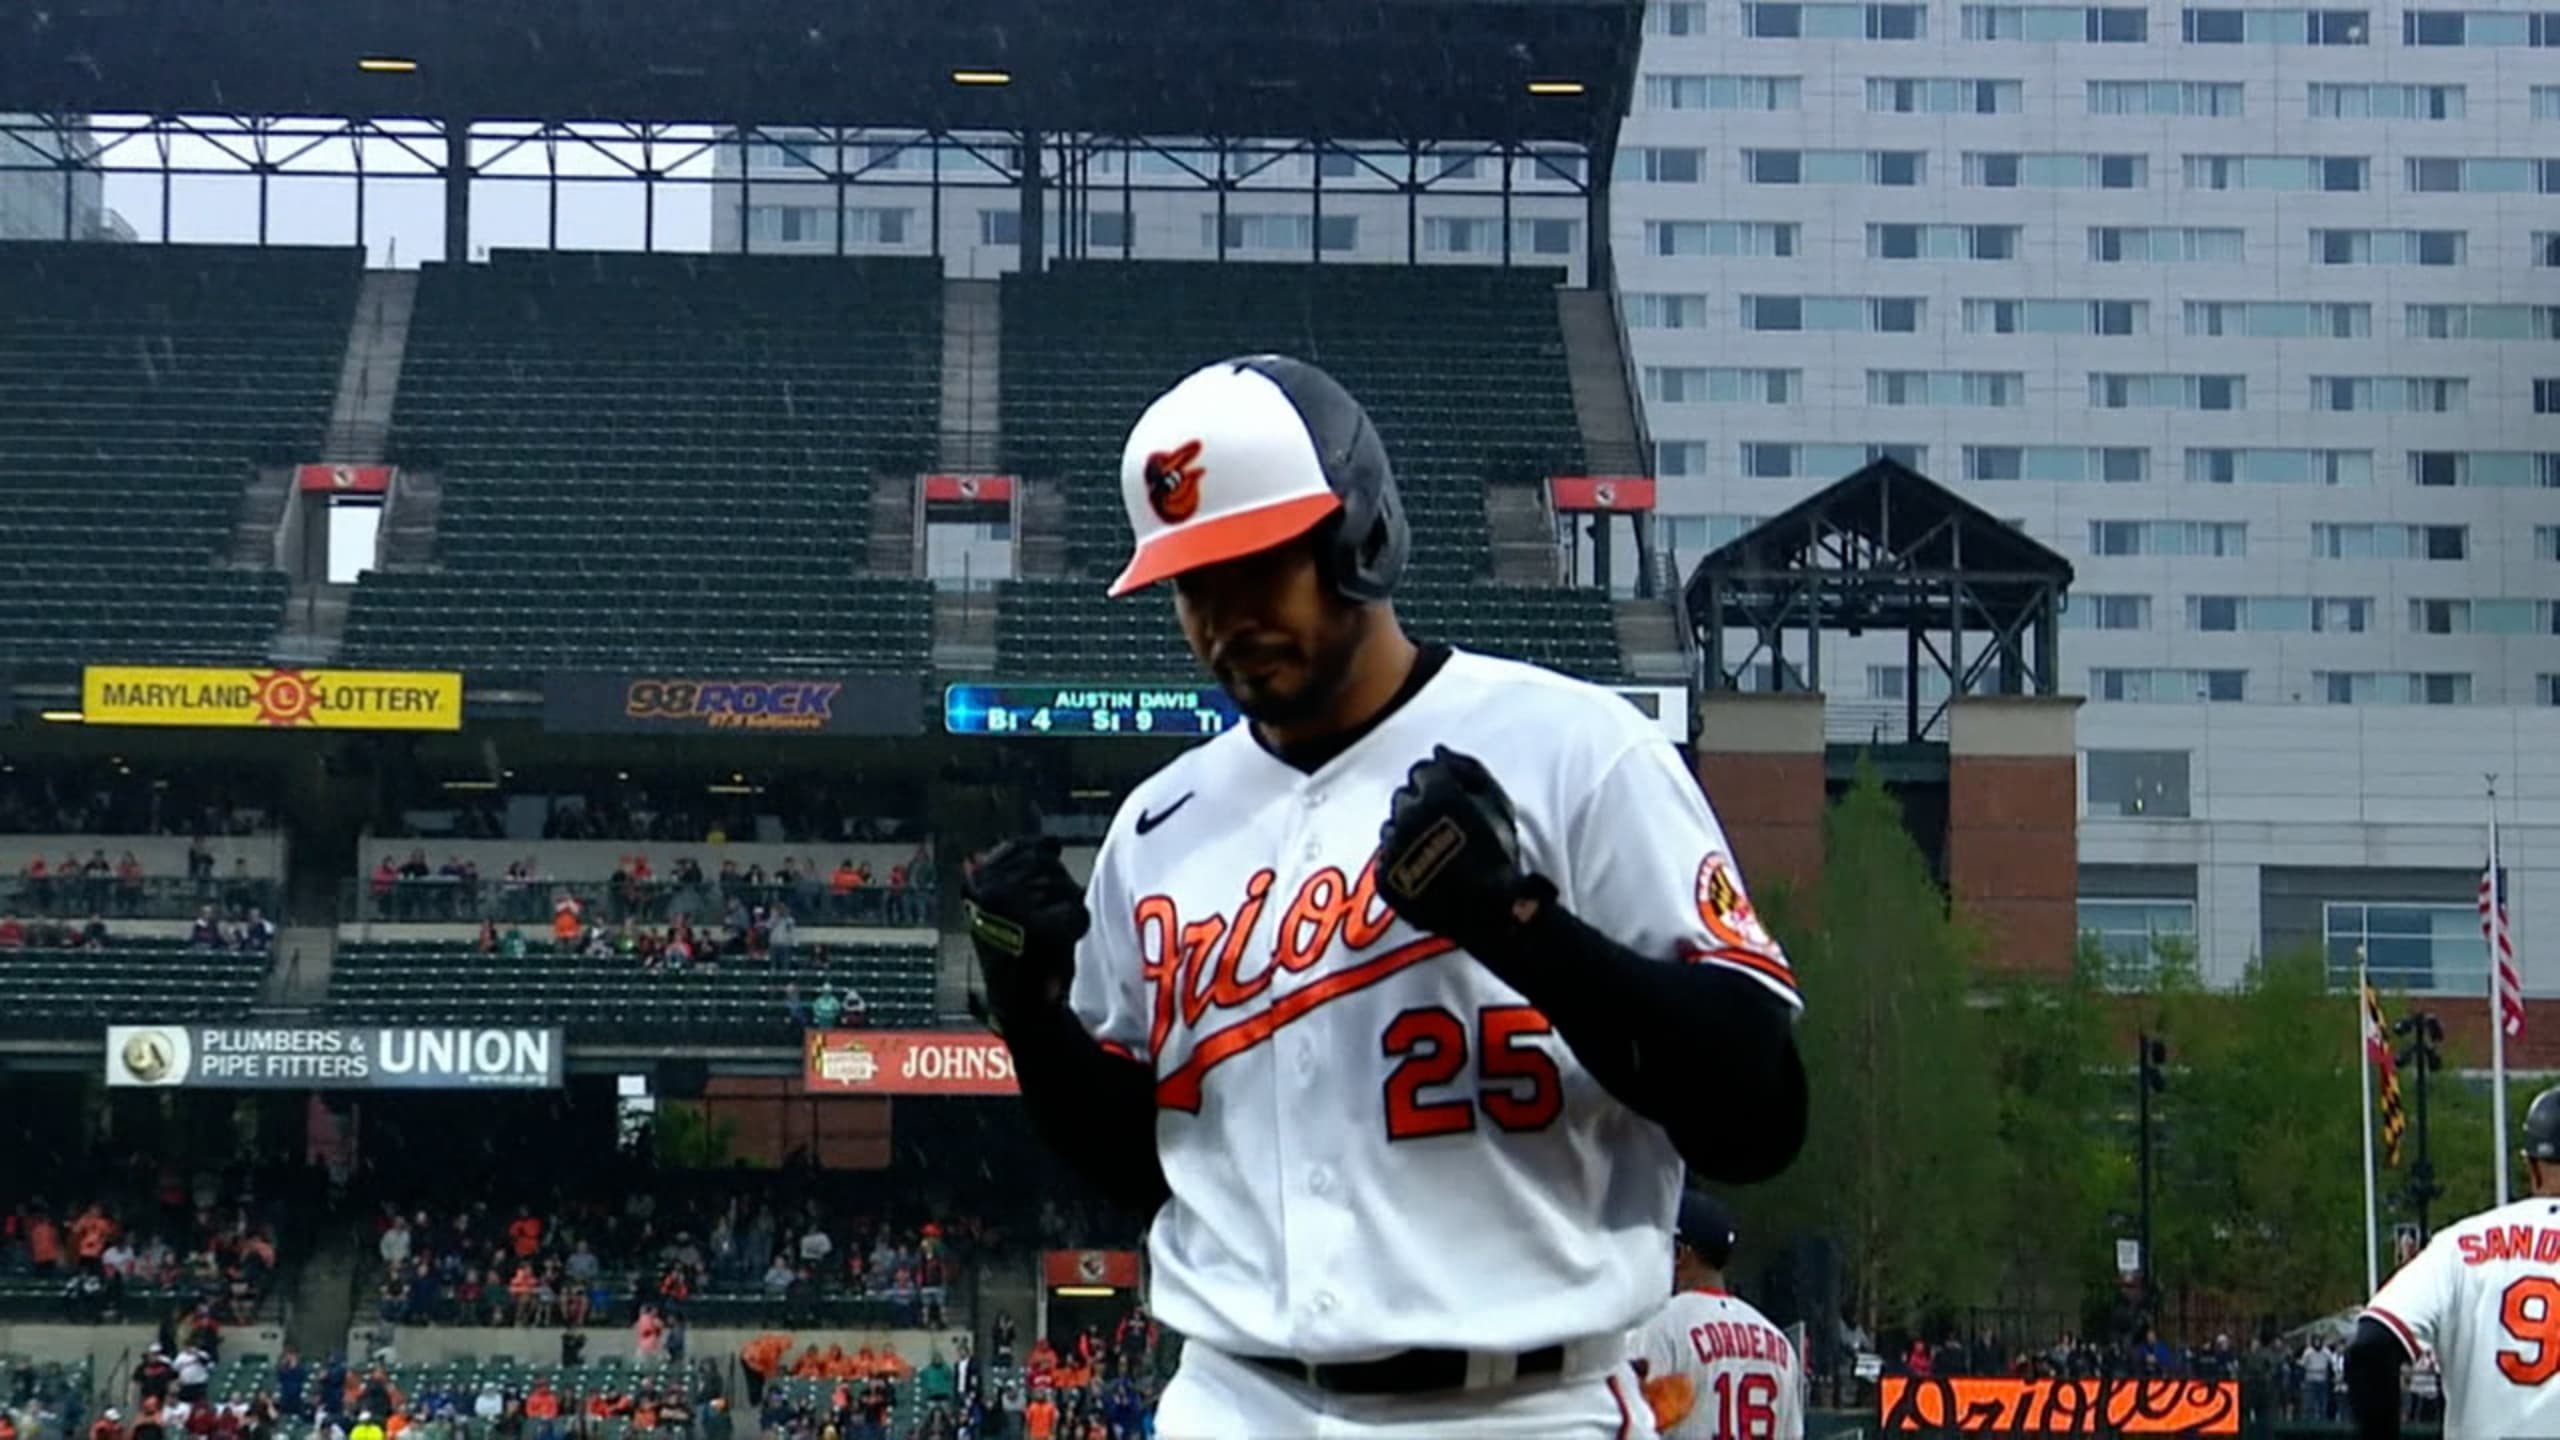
2377	1049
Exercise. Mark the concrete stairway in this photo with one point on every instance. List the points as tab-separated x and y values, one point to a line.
972	362
408	538
964	630
301	974
369	381
1649	636
1604	404
1040	546
1523	531
315	624
324	1296
897	538
257	531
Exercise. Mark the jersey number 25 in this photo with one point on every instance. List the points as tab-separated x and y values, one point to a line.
1521	1090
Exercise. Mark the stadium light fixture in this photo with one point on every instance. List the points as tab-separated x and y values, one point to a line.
735	789
471	785
63	717
1556	87
387	65
1085	1292
981	77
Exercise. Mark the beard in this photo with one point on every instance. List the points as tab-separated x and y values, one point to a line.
1301	687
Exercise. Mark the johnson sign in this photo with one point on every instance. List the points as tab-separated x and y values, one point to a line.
906	1062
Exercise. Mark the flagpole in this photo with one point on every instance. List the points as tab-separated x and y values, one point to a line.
2364	1096
2497	1002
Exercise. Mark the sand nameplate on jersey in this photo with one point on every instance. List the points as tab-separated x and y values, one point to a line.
2059	1407
334	1057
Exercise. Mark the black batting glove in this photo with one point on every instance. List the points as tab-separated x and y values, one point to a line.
1025	915
1449	854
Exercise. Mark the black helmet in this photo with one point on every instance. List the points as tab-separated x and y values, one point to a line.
2542	1126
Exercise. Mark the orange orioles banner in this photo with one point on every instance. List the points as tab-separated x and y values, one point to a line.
2059	1407
1115	1268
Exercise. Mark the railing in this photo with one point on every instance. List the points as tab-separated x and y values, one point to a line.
78	897
444	900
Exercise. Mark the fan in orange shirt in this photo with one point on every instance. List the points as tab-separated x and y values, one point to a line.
1040	1417
809	1366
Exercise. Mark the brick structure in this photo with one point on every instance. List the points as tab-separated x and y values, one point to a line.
2012	825
1761	758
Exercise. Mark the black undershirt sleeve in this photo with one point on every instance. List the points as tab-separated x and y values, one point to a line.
1703	1050
1096	1110
2373	1362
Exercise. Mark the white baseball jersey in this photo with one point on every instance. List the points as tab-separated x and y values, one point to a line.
1744	1378
2485	1293
1372	1143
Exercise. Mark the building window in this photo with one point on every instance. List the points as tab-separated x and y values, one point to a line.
1772	20
2138	784
2417	948
1676	17
2546	397
2168	687
1723	92
2388	247
1773	167
1655	311
2136	936
1721	237
1894	96
1679	459
2107	612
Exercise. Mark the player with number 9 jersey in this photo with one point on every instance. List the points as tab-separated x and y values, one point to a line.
2485	1296
1713	1367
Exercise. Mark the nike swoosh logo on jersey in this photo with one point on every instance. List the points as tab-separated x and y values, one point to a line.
1147	822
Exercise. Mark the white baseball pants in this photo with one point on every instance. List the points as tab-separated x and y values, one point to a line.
1215	1397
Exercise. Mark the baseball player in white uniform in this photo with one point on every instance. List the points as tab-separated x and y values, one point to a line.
2485	1295
1398	1010
1713	1367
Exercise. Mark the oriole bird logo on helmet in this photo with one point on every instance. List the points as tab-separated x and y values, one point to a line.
1173	482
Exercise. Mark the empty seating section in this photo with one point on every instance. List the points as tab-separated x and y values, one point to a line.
1067	629
405	982
43	989
660	459
1462	367
139	387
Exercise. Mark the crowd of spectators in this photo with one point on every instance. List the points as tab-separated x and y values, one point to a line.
1097	1385
67	799
41	1401
70	886
591	1263
848	893
205	1260
792	810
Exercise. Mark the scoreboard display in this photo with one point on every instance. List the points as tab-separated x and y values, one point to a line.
1076	710
1036	709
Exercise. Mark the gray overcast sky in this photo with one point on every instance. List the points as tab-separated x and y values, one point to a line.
404	214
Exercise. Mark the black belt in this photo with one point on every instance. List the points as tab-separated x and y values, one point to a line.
1411	1372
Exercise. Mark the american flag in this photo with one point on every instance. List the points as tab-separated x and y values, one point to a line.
2495	929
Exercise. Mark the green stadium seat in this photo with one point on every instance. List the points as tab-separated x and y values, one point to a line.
140	386
661	460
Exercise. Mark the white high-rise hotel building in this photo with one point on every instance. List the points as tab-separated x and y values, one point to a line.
2252	313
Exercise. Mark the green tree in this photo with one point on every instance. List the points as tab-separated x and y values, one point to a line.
2068	1169
1903	1142
689	1137
2259	1199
